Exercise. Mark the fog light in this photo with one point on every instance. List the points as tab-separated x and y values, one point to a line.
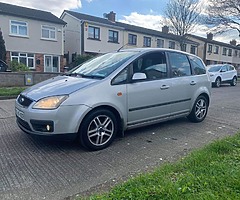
48	128
42	125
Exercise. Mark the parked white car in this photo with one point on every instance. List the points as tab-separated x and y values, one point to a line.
222	73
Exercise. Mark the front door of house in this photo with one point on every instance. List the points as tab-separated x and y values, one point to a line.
51	63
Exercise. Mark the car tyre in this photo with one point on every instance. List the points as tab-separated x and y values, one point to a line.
217	82
199	110
234	81
98	129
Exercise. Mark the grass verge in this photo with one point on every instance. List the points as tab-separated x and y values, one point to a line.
11	91
210	173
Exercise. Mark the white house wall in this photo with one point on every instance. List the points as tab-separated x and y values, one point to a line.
33	43
72	32
102	45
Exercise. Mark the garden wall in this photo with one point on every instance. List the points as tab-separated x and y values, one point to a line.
11	79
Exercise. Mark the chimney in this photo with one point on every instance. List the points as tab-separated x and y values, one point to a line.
233	42
111	16
209	36
165	29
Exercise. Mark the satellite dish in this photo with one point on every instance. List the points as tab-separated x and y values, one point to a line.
105	15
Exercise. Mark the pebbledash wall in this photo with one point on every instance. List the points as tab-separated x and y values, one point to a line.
12	79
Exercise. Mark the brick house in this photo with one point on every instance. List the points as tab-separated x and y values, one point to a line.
32	37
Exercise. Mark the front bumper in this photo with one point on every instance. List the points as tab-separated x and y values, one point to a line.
63	120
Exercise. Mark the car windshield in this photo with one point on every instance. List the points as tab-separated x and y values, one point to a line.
215	68
101	66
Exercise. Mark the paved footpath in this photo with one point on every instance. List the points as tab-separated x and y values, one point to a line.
37	168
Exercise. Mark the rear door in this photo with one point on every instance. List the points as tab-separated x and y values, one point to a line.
184	83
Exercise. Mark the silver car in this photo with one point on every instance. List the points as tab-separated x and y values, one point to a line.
114	92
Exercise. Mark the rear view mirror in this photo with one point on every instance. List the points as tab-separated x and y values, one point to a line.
139	76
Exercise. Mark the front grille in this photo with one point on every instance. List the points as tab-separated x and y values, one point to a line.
24	101
23	123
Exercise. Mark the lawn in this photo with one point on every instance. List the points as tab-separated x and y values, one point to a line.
11	91
209	173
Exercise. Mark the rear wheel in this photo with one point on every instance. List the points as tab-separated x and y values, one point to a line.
217	82
234	81
98	129
199	110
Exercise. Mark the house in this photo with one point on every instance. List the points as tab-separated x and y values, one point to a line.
215	52
32	37
86	34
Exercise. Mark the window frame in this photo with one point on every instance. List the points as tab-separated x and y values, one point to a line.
133	39
216	49
210	47
224	53
160	43
94	33
113	37
193	47
171	44
11	23
50	30
230	52
147	41
23	55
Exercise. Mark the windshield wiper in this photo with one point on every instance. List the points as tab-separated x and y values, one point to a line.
84	75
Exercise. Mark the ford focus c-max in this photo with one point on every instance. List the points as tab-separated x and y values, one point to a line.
114	92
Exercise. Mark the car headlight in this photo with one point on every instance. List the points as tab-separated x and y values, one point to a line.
50	103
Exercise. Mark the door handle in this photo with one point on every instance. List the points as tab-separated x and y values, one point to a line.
193	83
164	87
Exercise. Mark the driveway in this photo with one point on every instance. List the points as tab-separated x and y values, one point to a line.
36	168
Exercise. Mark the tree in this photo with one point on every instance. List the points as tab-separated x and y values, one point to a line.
183	15
224	15
2	48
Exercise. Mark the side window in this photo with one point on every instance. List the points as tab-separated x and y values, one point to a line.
121	78
180	64
153	65
197	65
224	68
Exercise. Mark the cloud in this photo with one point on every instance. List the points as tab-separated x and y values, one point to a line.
148	21
54	6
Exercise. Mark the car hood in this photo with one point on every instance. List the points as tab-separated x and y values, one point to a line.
59	85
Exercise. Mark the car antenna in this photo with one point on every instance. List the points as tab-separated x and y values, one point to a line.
122	47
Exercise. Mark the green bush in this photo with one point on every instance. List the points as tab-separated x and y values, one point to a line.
18	67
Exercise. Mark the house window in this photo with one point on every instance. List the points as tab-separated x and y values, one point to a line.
193	49
19	28
132	39
51	63
24	58
229	52
216	50
113	36
184	47
146	41
48	32
236	53
209	48
171	45
224	51
94	33
160	43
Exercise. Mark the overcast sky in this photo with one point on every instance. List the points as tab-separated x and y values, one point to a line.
146	13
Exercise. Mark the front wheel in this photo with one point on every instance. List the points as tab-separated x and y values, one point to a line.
199	110
217	82
234	81
98	129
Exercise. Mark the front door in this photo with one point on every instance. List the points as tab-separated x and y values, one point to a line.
149	99
51	63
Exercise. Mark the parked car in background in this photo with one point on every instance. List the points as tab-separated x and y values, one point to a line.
114	92
222	73
3	66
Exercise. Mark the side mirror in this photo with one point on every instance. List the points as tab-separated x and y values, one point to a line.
139	76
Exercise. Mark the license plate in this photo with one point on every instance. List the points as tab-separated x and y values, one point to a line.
20	114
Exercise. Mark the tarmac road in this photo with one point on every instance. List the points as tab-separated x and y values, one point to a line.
35	168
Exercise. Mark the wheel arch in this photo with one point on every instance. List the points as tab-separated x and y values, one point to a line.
119	118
